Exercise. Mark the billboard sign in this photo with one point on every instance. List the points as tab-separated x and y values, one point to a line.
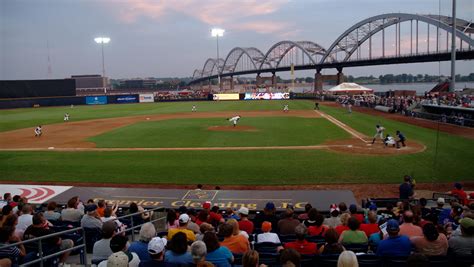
266	96
127	99
146	98
96	100
218	97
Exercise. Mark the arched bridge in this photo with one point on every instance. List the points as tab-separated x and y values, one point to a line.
393	38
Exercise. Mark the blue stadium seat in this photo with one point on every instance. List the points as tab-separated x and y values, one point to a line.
369	260
270	259
237	259
266	247
357	248
92	236
287	238
327	260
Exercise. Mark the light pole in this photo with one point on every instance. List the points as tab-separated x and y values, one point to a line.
216	32
102	41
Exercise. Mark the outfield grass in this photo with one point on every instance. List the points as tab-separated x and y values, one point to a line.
447	158
31	117
270	131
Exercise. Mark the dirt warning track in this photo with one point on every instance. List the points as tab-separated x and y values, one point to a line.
72	136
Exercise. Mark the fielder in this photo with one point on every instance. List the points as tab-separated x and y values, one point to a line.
66	117
38	131
194	108
234	120
379	133
286	108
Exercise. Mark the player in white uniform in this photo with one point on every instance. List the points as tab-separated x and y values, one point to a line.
234	120
194	108
389	141
286	109
66	117
38	131
379	133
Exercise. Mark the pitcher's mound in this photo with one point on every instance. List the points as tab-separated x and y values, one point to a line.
230	128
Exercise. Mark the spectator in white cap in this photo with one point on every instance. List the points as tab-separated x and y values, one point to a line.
245	224
147	232
335	218
156	249
117	259
183	225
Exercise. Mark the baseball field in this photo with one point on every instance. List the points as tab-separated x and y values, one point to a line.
166	143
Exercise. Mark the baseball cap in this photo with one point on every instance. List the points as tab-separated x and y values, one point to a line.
182	209
372	206
333	207
117	259
183	218
244	211
457	185
392	225
440	200
266	226
206	205
270	206
157	245
458	209
466	223
90	207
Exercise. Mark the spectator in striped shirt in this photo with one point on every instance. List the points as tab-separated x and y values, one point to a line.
7	237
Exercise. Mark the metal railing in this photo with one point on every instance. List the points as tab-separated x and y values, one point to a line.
83	255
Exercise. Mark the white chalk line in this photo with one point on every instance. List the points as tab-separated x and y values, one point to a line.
342	126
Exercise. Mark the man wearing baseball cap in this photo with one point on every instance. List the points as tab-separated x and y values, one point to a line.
156	249
245	224
335	219
463	244
395	245
183	227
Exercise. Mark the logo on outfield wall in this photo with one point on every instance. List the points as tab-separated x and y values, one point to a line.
36	194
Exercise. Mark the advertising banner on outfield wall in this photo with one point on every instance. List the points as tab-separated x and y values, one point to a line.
266	96
96	100
218	97
127	99
146	98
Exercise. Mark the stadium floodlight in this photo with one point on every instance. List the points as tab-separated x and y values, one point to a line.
217	32
102	41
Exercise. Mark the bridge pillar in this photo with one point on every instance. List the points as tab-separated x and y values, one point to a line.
209	85
340	76
274	80
318	80
232	83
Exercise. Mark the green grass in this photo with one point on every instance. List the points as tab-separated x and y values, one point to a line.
447	158
29	117
270	131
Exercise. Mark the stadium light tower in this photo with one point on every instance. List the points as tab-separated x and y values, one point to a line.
216	32
103	41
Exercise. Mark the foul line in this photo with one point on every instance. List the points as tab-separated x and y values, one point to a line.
342	126
71	149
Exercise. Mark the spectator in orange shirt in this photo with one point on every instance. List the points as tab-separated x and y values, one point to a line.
408	228
101	207
301	244
237	244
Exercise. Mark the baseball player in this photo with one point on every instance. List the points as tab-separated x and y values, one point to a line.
234	120
286	109
316	106
389	141
66	117
401	139
194	108
379	133
38	131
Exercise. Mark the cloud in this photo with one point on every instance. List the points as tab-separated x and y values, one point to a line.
246	15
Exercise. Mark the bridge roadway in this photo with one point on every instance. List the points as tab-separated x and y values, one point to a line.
422	58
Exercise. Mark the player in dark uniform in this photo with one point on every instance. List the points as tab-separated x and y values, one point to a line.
401	139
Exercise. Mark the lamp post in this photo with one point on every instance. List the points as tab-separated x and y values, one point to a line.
216	32
102	41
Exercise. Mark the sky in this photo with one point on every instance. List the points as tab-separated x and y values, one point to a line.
171	38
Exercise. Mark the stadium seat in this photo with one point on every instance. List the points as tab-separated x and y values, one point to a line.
287	238
316	239
92	236
266	247
462	261
97	261
162	234
237	259
308	260
327	260
357	248
369	260
439	261
270	259
395	261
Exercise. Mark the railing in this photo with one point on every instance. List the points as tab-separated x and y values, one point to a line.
83	257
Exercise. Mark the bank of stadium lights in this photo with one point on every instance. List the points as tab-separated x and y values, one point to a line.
217	32
102	41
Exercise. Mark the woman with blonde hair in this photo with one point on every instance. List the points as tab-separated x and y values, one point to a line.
235	226
344	221
347	259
